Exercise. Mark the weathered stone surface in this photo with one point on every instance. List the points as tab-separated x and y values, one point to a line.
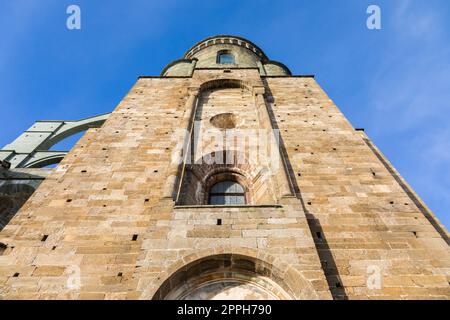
336	216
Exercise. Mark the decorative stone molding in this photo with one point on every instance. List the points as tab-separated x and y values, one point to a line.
223	84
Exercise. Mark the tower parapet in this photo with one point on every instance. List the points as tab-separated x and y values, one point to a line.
224	52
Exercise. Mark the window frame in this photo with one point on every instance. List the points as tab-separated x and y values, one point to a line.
225	52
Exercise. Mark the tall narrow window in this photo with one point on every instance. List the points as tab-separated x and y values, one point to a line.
227	193
225	57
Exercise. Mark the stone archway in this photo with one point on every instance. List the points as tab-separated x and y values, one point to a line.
226	277
225	165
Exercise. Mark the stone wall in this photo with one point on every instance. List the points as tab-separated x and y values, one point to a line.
100	226
362	216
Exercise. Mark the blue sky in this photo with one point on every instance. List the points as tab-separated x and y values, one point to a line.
394	82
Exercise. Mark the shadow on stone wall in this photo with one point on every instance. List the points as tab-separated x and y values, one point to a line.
326	258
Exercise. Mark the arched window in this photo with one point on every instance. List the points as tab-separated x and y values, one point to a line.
226	192
225	57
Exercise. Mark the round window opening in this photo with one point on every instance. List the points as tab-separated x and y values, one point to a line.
224	121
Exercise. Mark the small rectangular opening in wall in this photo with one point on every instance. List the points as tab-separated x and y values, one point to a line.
219	222
16	275
135	236
227	71
415	234
319	235
120	274
83	171
69	200
338	285
44	238
146	200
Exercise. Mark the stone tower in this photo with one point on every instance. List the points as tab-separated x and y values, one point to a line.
224	177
